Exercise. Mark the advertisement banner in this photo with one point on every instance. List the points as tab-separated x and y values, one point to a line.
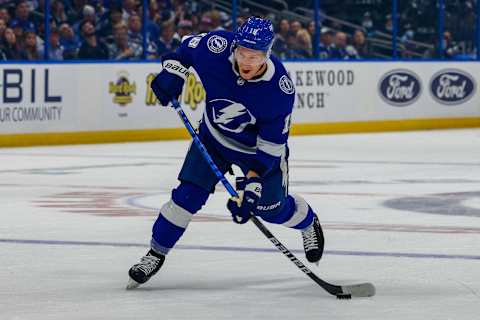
336	92
116	97
36	98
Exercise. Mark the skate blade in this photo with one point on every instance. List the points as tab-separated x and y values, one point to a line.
132	284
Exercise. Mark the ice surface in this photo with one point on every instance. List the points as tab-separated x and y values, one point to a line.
400	210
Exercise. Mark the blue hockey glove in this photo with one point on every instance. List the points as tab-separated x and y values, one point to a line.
168	83
251	195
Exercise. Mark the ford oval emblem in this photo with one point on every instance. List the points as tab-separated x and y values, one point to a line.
452	86
400	87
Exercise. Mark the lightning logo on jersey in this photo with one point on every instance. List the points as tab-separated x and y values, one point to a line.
231	116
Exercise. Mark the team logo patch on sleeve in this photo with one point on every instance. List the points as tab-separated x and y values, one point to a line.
216	44
286	85
193	43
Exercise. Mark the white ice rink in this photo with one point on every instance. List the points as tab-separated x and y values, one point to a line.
400	210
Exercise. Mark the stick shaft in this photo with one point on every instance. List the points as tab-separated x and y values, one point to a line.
330	288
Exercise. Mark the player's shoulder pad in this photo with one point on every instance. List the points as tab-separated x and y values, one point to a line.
219	41
283	92
192	40
214	42
281	77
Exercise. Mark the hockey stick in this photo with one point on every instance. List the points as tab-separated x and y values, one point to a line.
341	292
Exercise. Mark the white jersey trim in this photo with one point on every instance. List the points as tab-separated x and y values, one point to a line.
273	149
176	214
300	213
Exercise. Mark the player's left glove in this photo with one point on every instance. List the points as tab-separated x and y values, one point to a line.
168	83
251	195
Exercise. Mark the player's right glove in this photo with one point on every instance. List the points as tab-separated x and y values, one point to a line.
251	195
168	83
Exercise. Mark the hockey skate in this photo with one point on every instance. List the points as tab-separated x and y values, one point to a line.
313	241
145	269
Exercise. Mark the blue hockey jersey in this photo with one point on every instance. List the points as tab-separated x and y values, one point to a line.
246	121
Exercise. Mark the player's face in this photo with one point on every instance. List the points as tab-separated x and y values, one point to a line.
250	62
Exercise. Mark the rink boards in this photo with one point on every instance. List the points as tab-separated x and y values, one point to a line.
45	104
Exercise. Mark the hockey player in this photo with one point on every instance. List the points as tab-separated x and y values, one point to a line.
249	101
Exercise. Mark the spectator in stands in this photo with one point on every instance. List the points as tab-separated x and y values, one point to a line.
135	29
122	49
58	12
3	26
216	20
91	48
88	14
153	19
297	47
22	17
341	50
167	43
69	41
184	28
30	46
129	8
106	26
311	31
367	23
450	47
409	33
291	44
11	47
360	44
17	29
295	26
241	20
55	51
227	21
283	28
180	9
205	24
303	43
5	15
135	36
326	43
406	46
388	27
74	11
279	47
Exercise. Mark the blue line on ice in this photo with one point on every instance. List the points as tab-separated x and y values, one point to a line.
242	249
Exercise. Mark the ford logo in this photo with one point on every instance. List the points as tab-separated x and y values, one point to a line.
452	87
400	87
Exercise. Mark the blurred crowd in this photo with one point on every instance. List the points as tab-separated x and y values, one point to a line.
113	29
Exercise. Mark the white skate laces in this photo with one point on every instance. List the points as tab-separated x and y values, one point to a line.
310	241
147	264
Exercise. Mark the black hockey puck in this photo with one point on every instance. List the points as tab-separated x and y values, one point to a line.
344	296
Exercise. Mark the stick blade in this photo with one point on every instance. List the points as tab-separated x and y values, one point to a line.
360	290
